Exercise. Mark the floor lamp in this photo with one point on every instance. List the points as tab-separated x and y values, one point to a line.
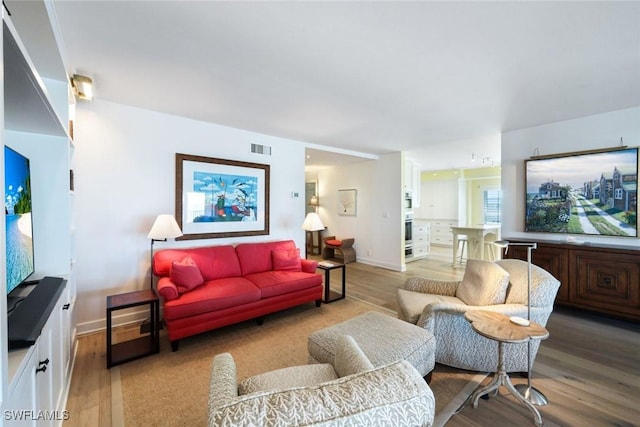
164	227
530	393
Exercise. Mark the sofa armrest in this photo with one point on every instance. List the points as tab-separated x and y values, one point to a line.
223	386
167	289
432	286
394	393
308	265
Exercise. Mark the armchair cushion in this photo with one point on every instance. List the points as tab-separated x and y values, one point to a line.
290	377
484	283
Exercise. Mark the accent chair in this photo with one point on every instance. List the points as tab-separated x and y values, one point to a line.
349	392
501	286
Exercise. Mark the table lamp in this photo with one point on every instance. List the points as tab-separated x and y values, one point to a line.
312	223
526	390
164	227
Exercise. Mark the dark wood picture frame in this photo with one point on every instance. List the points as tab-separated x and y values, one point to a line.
244	213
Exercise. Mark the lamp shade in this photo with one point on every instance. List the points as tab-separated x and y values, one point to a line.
312	222
164	227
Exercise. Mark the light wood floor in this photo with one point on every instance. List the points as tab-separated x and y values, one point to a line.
589	368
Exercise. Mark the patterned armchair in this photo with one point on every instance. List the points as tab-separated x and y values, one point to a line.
350	393
501	286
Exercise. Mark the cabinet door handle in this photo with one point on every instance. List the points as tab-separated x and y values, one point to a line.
41	369
44	362
66	306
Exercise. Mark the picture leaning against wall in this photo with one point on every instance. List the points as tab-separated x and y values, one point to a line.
591	193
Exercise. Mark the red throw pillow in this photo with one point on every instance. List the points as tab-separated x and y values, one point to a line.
334	242
286	259
185	274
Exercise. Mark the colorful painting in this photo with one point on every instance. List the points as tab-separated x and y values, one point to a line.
221	198
583	193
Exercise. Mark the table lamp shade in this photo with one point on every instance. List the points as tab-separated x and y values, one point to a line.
164	227
312	222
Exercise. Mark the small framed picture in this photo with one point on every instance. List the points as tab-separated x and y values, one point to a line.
347	202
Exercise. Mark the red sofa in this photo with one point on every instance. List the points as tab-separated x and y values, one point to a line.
210	287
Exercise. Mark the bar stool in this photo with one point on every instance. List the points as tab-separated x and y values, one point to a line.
490	252
462	244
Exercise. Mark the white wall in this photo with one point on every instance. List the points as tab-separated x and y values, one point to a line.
586	133
125	176
378	225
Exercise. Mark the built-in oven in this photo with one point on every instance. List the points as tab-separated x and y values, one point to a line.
408	232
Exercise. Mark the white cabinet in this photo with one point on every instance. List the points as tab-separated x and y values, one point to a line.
421	239
36	390
22	393
441	234
439	200
412	181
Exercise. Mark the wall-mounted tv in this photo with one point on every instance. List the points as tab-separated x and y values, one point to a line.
19	226
592	192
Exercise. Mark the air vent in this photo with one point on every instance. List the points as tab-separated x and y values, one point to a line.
261	149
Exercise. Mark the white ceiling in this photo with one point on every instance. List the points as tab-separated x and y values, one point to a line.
439	80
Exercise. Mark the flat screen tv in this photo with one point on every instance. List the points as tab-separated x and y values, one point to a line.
19	226
592	192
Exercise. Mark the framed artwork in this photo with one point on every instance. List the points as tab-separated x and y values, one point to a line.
347	202
586	192
221	198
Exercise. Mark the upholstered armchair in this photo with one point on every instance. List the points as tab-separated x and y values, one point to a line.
349	392
500	286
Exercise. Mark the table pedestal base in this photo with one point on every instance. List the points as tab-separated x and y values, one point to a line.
502	378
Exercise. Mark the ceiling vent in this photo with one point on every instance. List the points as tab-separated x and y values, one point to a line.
261	149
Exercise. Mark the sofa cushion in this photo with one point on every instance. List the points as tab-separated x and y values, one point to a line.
211	296
185	274
334	242
214	262
273	283
256	257
286	259
484	283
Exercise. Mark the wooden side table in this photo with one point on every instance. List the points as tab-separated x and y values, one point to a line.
140	347
498	327
329	295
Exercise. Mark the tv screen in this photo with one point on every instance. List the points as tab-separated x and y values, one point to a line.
19	227
592	193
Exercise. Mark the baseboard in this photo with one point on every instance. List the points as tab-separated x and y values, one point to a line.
376	263
98	325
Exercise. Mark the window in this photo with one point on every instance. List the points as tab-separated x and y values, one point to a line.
618	194
492	202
